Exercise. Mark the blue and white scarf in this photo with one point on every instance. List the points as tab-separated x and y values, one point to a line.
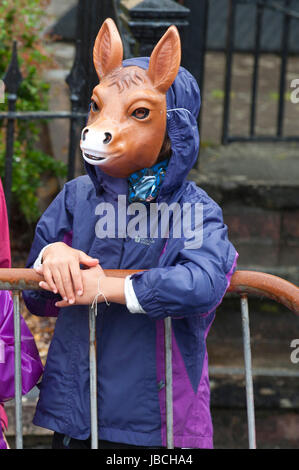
144	185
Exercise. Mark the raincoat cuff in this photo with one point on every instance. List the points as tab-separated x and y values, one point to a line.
131	300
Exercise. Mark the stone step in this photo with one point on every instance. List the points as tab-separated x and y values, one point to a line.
272	327
275	429
277	423
260	175
266	240
270	391
257	187
278	430
28	410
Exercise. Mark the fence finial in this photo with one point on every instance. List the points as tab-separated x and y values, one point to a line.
76	79
13	76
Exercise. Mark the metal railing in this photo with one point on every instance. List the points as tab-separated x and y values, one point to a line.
243	283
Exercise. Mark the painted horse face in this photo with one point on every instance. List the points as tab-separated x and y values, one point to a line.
127	122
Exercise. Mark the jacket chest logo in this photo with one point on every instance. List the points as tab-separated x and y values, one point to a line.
144	241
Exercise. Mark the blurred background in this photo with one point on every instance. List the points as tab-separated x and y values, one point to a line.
245	57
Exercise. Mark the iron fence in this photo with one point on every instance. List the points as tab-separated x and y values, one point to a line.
243	283
81	78
12	80
287	14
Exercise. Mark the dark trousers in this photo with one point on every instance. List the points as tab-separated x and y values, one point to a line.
61	441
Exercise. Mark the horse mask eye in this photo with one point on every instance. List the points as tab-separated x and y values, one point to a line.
141	113
94	106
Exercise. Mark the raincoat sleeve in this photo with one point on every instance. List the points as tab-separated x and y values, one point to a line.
54	225
197	278
31	365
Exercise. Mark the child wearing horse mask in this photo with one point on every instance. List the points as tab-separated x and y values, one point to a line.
134	209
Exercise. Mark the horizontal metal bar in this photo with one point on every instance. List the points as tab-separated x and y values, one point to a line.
272	6
28	279
218	371
242	281
248	50
260	138
19	285
27	115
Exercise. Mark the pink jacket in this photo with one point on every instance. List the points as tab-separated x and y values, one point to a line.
5	262
30	361
5	259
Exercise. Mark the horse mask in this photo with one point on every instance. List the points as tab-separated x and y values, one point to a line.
127	121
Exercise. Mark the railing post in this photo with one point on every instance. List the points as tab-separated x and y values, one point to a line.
255	77
168	378
248	372
93	378
148	21
18	373
12	80
228	69
90	16
283	68
76	81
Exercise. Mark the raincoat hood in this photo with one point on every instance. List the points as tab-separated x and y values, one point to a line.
183	104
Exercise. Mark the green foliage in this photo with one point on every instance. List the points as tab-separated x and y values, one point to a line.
274	96
22	20
219	94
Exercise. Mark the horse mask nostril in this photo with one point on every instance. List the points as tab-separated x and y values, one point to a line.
108	138
84	133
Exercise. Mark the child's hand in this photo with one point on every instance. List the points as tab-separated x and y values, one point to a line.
61	270
92	279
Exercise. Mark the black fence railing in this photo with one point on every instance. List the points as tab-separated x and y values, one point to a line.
12	80
287	15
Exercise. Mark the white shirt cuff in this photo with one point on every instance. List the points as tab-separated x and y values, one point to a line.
131	300
39	260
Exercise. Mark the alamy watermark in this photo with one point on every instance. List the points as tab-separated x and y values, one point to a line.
2	91
295	354
160	220
295	92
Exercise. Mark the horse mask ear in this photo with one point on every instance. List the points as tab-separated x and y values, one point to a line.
108	49
165	60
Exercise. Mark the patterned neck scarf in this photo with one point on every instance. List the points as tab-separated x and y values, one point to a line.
144	185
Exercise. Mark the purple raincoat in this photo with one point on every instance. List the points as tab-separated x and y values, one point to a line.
181	280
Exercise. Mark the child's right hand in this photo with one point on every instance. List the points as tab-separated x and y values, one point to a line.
61	269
